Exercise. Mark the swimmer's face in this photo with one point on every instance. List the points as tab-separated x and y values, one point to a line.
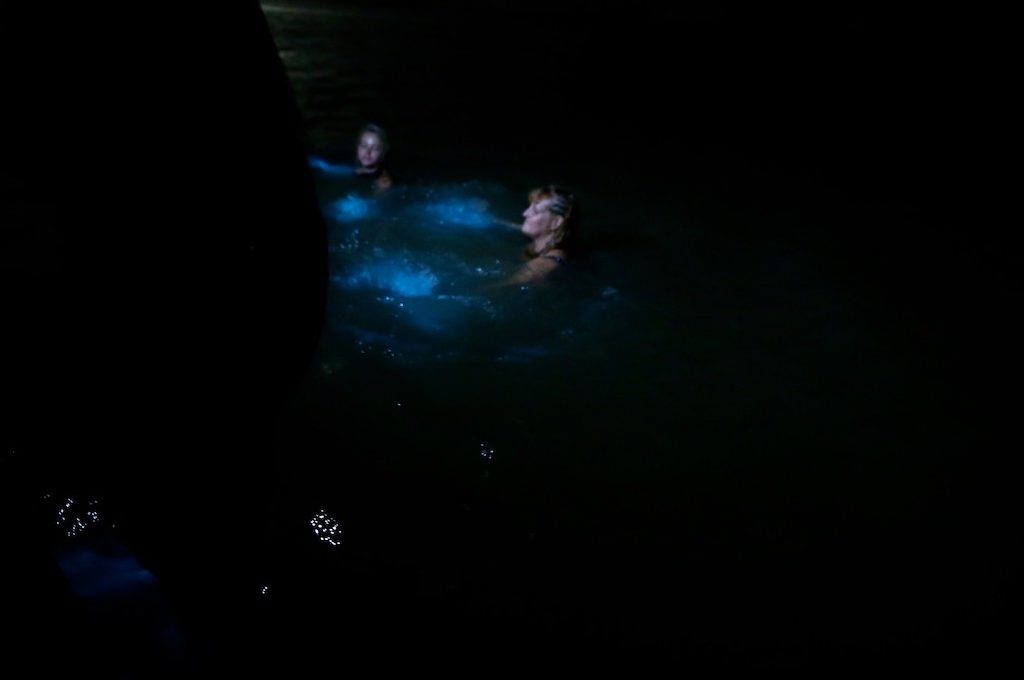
538	220
370	150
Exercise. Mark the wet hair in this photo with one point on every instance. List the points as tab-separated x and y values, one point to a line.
377	130
565	205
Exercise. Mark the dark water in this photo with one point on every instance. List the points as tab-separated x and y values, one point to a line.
740	427
707	435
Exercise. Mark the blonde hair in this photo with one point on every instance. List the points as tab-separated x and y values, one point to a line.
377	130
564	204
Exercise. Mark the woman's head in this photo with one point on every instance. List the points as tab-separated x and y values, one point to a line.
371	146
551	219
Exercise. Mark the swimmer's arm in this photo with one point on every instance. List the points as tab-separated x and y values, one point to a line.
335	169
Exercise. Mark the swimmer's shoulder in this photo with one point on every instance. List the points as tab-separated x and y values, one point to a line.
383	182
542	265
557	256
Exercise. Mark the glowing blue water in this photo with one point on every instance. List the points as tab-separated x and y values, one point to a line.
459	212
331	169
399	276
95	574
418	276
351	208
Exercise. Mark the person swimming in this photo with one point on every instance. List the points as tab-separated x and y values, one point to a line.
371	149
551	222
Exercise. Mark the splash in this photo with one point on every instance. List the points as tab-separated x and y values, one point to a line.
458	212
350	209
413	278
398	276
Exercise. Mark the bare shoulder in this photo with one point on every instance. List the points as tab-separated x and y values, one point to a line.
383	182
543	265
557	256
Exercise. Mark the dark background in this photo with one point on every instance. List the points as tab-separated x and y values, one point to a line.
127	372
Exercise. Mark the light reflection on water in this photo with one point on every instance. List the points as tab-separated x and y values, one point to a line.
95	562
75	518
486	452
326	528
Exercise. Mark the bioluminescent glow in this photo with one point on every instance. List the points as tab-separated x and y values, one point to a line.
417	277
474	301
383	350
486	452
332	169
399	276
351	208
94	574
326	528
74	518
459	212
350	243
369	341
